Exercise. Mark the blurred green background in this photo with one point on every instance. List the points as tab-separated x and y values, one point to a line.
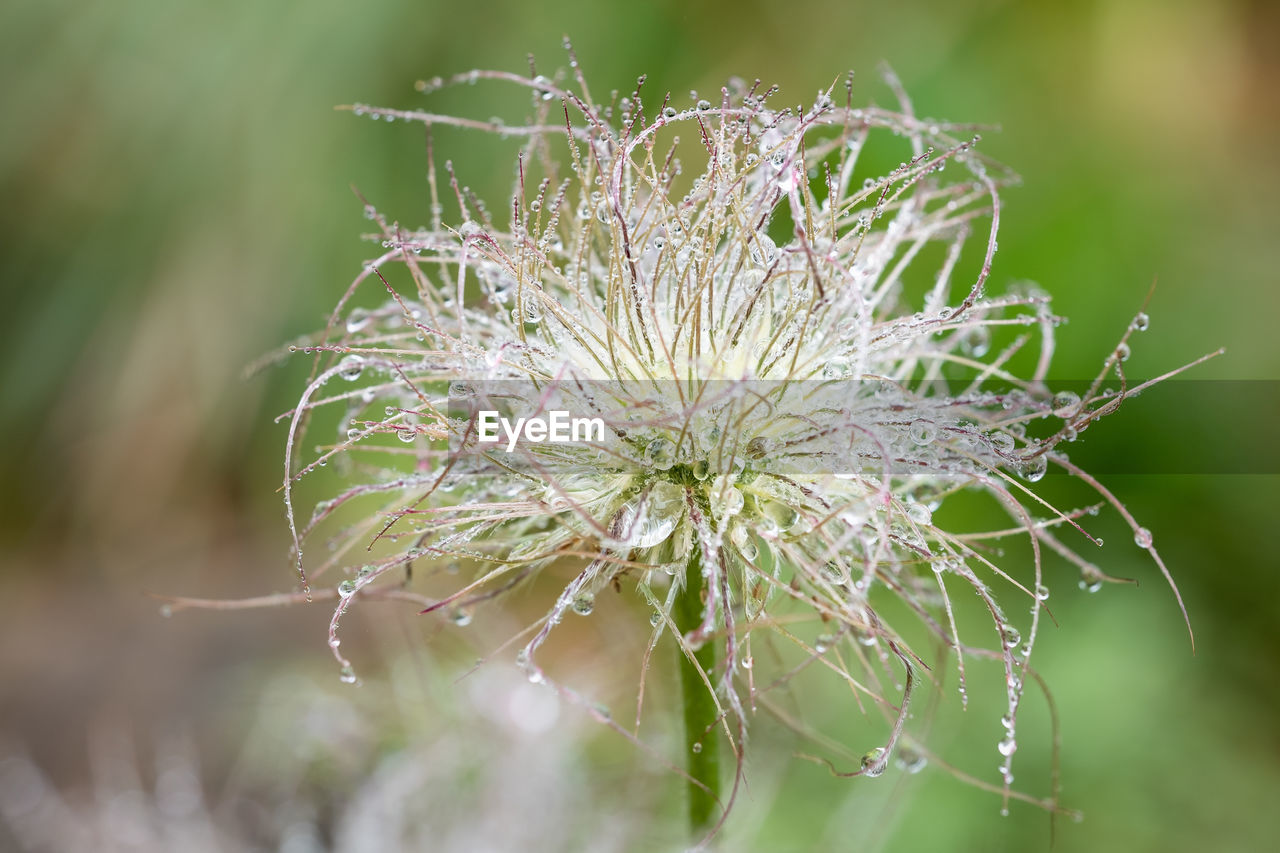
177	202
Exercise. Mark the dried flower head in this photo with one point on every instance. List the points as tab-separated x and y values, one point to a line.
782	357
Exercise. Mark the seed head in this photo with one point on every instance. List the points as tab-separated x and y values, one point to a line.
787	343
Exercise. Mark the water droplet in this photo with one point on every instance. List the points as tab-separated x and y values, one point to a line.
460	616
347	588
919	513
1002	442
1042	592
910	760
351	367
1123	352
1090	579
835	368
822	642
347	675
873	762
922	432
1008	746
584	603
532	310
357	320
669	112
779	513
758	447
731	501
1141	322
1012	636
661	453
1142	537
697	747
831	573
643	524
763	250
977	342
1066	404
1034	468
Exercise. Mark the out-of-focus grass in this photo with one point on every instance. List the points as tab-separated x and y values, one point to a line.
178	202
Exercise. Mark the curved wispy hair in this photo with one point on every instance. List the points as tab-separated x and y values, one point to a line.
792	372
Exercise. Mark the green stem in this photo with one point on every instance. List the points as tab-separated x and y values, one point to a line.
702	746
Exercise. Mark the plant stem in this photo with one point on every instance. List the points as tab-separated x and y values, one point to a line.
702	746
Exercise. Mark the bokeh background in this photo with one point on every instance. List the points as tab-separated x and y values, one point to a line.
177	201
